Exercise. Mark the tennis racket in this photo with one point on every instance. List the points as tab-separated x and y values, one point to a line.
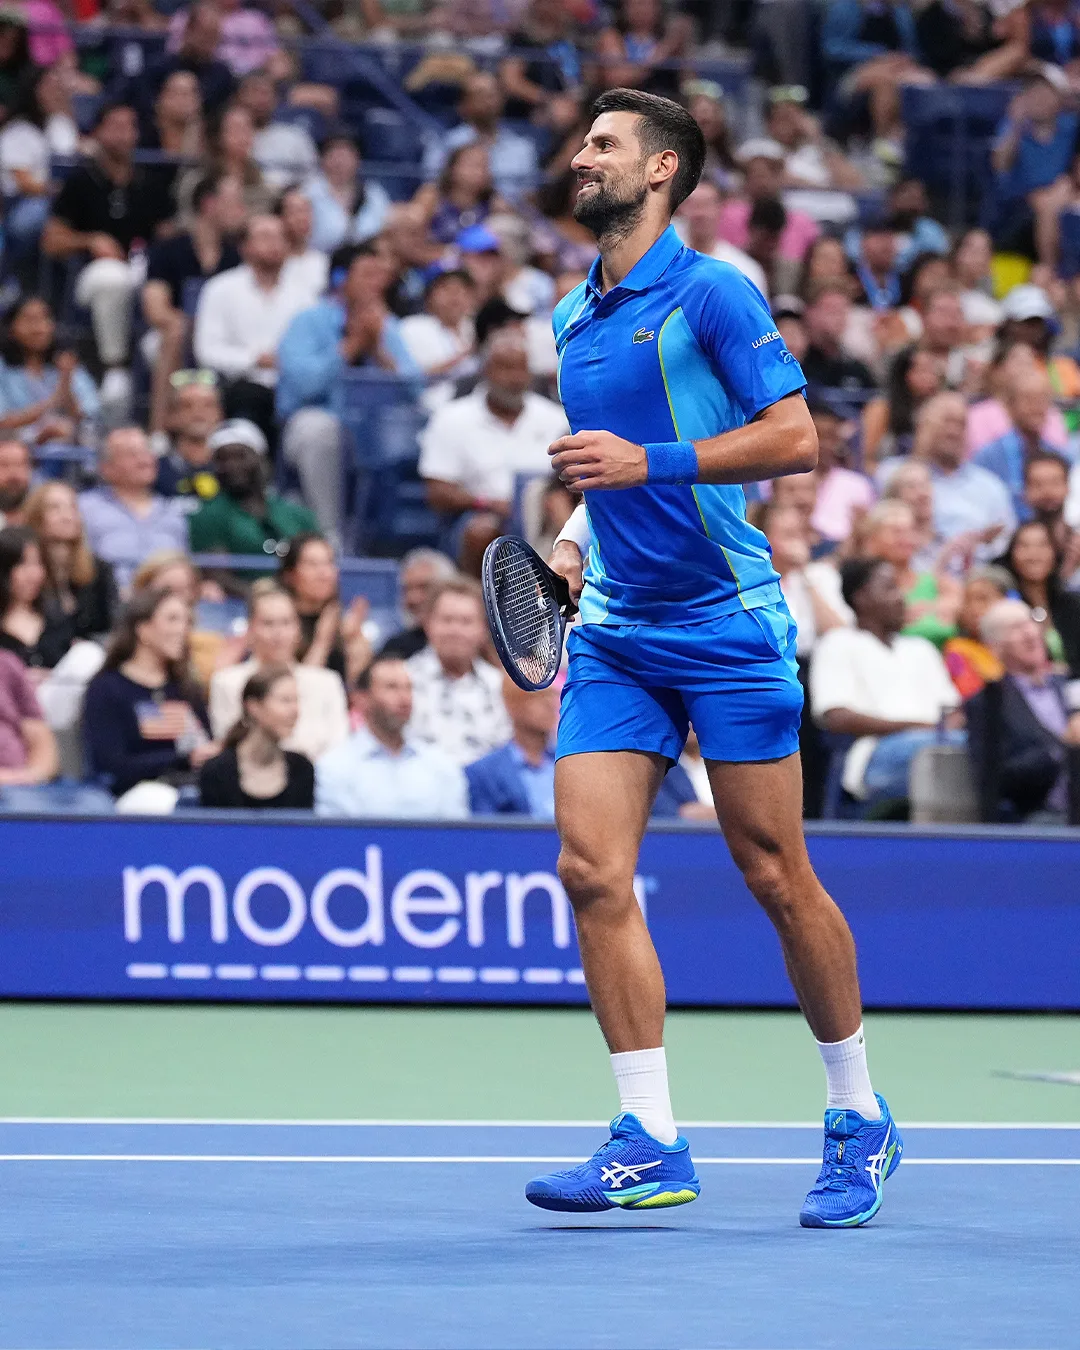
528	606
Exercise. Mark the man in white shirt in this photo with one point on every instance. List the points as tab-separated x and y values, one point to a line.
891	693
472	448
305	266
457	695
441	340
241	317
379	772
284	151
698	224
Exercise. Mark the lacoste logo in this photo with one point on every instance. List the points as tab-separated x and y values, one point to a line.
774	336
647	335
617	1173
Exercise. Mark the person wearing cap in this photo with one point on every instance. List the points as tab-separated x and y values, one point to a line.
512	156
818	176
1028	316
1027	401
346	208
124	519
697	222
1031	157
788	312
244	517
762	162
479	251
351	329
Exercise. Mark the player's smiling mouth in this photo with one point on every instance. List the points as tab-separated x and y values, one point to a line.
584	183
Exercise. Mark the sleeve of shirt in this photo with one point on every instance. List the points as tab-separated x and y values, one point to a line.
733	325
832	676
310	364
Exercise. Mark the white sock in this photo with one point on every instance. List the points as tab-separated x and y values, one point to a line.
641	1077
847	1077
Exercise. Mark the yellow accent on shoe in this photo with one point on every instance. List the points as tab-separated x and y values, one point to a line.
664	1199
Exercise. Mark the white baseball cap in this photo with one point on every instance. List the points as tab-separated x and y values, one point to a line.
238	431
1027	302
761	147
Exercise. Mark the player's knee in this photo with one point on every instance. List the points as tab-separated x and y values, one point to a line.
770	881
589	879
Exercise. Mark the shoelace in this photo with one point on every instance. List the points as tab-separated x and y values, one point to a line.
840	1166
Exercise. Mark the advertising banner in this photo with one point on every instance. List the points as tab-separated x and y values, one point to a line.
300	910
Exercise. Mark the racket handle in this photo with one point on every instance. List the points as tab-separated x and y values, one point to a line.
567	608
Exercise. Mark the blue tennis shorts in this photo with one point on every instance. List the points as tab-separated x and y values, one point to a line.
639	687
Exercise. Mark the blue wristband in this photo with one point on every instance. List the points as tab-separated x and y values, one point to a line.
673	462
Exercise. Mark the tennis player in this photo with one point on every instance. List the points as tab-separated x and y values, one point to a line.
679	389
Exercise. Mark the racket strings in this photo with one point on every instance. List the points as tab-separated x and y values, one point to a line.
526	609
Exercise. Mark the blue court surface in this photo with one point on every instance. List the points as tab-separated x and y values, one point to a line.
329	1236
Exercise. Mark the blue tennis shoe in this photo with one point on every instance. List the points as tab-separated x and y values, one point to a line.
631	1171
859	1156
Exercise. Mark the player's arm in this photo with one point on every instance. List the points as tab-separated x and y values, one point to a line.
780	440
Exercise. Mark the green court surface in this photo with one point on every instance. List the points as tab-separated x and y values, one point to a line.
88	1060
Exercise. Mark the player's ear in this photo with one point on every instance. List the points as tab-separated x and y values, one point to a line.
664	167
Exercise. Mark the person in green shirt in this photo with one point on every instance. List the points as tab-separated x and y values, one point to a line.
244	516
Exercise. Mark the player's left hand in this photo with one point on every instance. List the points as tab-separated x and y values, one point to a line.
591	460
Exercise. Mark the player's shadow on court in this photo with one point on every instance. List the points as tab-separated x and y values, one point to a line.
607	1228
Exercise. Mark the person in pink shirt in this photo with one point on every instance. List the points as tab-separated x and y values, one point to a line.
49	36
248	39
762	162
989	420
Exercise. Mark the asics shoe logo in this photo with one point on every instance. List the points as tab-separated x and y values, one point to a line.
875	1163
616	1173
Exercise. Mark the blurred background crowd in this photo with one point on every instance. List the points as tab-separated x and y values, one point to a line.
276	364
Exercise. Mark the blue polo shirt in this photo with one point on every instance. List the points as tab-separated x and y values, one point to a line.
684	348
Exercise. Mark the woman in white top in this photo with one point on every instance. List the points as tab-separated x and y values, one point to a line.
40	128
274	639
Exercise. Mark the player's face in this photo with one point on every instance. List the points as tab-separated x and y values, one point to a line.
612	174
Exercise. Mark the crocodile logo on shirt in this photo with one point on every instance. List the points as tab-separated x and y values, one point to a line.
644	335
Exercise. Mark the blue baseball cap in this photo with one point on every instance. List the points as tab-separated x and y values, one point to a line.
477	239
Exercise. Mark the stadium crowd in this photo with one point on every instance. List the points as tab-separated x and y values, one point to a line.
225	333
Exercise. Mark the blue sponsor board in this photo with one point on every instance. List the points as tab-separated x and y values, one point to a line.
291	909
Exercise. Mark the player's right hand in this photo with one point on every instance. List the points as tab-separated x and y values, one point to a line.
566	561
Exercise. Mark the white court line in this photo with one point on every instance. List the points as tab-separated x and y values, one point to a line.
450	1159
510	1124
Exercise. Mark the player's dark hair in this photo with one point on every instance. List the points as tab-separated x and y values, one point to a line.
1047	457
855	574
665	125
768	214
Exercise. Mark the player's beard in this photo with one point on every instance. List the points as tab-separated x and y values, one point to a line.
609	213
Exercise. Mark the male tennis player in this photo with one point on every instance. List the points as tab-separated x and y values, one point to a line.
679	389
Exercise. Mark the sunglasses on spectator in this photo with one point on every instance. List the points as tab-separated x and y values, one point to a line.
180	379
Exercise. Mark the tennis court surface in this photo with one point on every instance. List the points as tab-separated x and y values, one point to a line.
155	1231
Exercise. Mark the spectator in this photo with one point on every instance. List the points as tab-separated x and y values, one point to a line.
194	411
274	638
811	589
241	317
764	231
247	40
706	105
762	163
472	448
347	209
177	129
45	395
798	491
412	254
78	586
111	209
970	43
16	63
457	695
244	516
543	77
479	252
932	597
512	157
819	177
842	494
1034	564
519	778
308	266
1020	725
381	772
889	692
232	146
827	363
253	772
196	53
37	634
284	151
524	287
352	328
1046	490
546	505
463	195
640	47
1031	158
698	223
125	520
972	257
143	720
1027	401
441	341
970	662
40	129
562	244
826	261
28	755
911	484
15	477
943	337
918	233
876	264
329	636
1030	318
789	314
989	419
968	499
176	267
421	573
888	424
173	571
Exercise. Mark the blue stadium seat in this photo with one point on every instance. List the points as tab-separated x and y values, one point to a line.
949	132
388	135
